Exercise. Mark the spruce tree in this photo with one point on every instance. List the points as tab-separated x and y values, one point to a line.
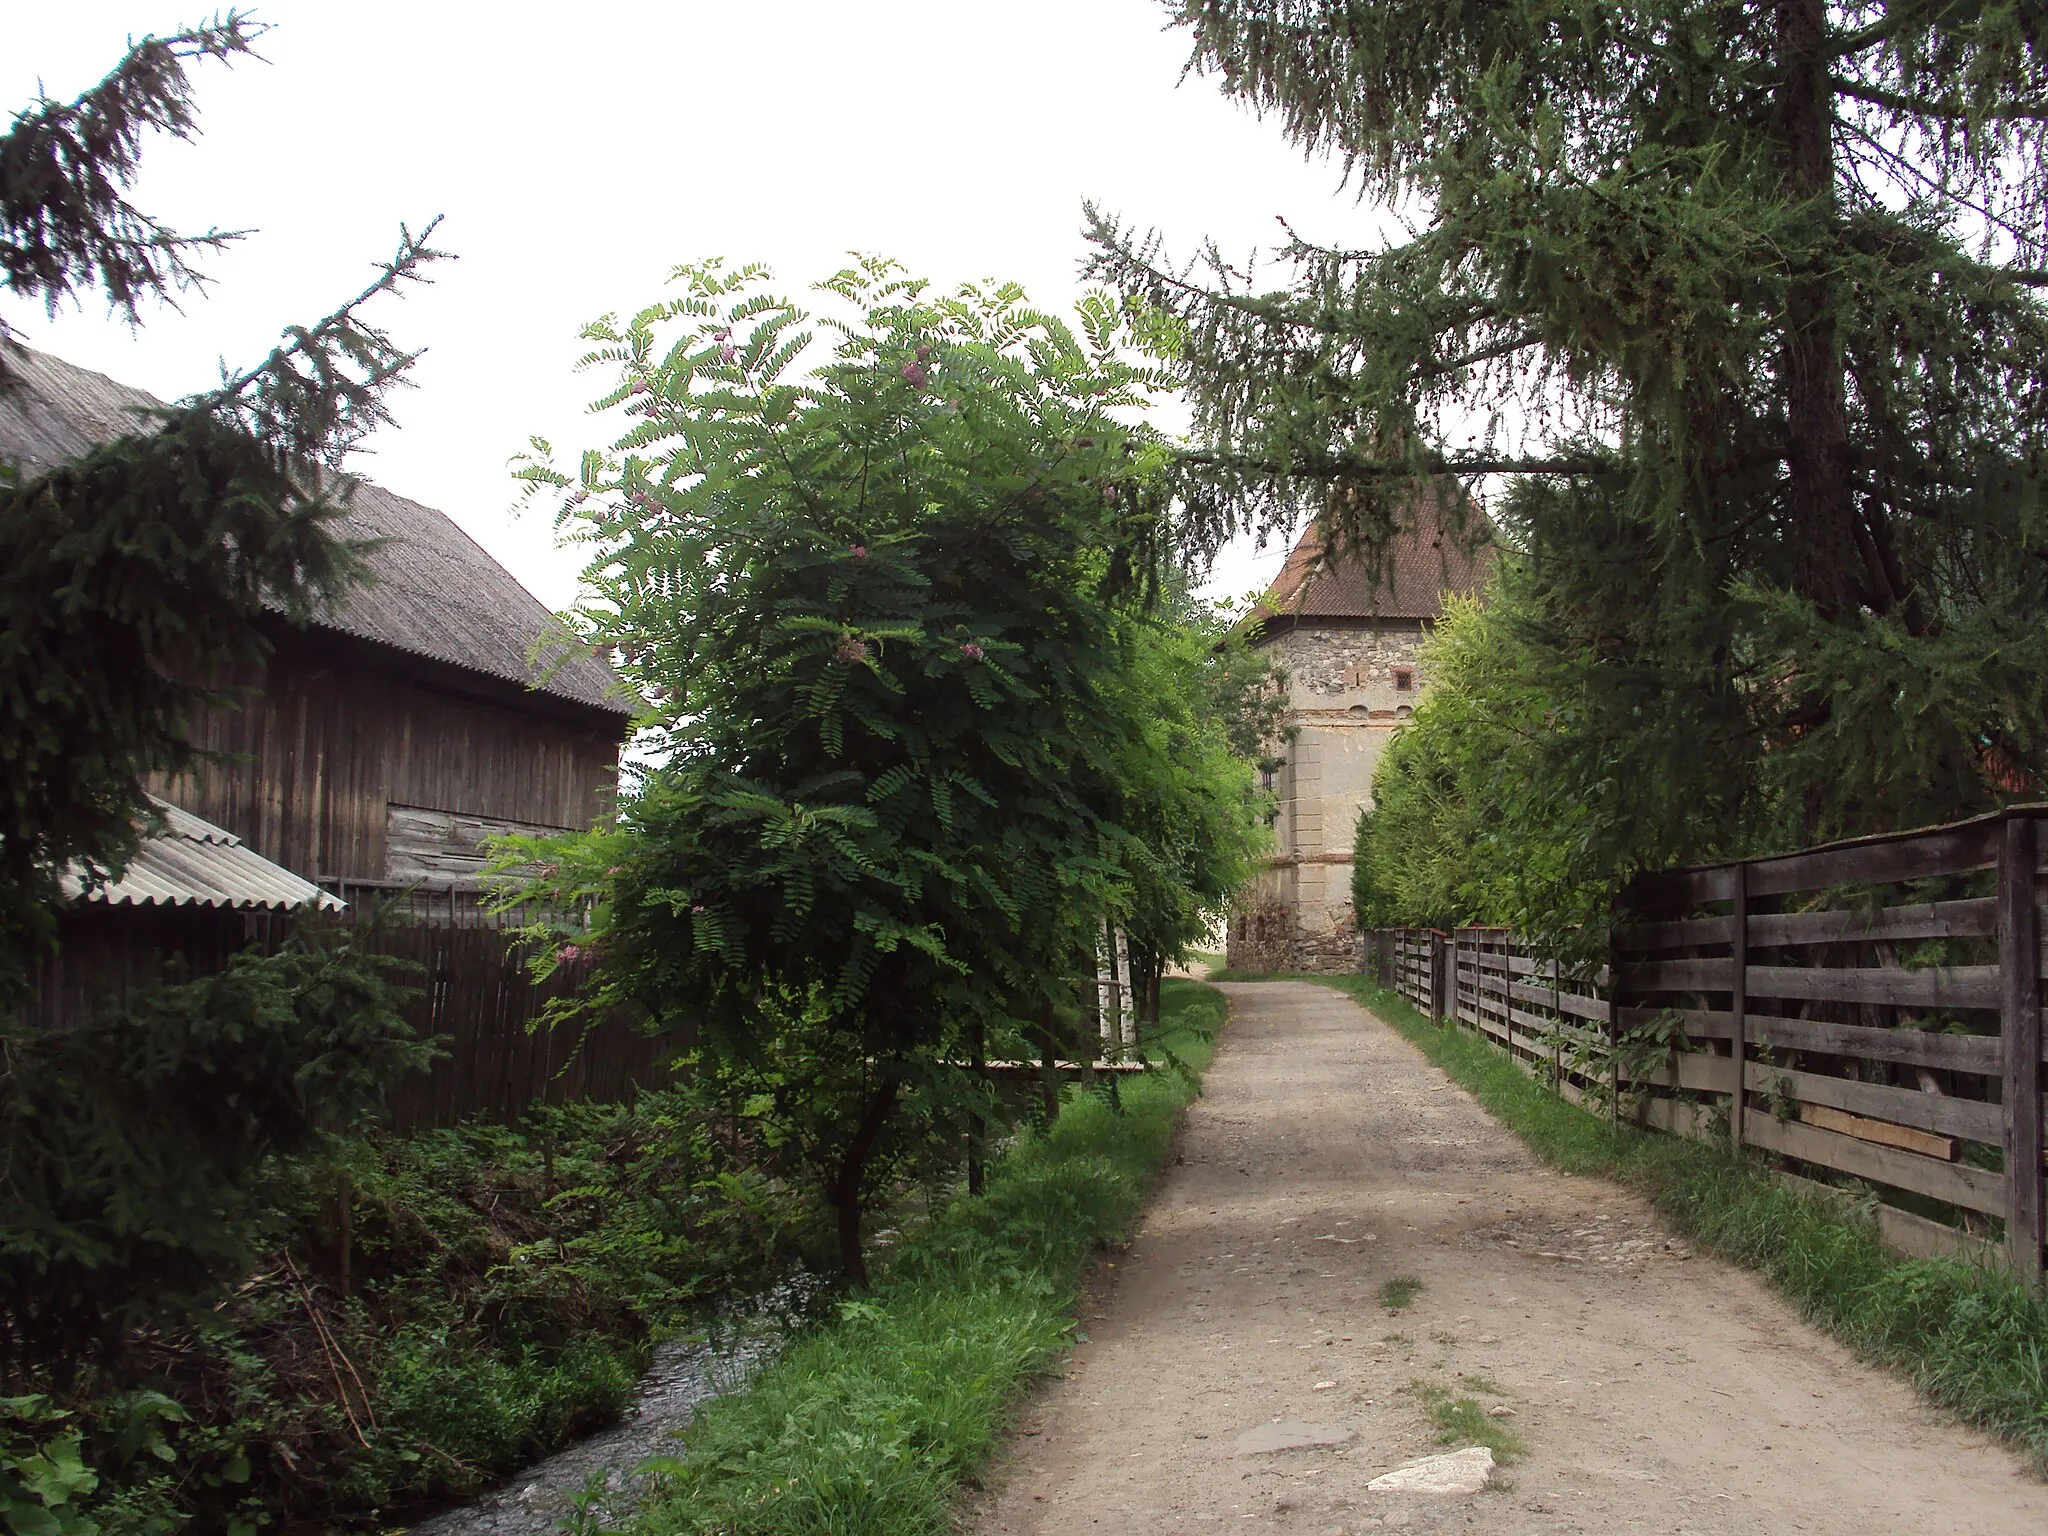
1734	310
135	580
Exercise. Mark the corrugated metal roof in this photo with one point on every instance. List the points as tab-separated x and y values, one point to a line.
192	862
432	591
1424	562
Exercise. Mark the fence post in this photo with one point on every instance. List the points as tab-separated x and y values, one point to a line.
1436	976
2019	974
1739	1007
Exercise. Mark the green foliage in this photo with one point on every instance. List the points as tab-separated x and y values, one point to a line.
1399	1292
1463	1421
1466	824
495	1297
43	1476
65	225
870	1425
1736	309
879	573
130	1145
1973	1338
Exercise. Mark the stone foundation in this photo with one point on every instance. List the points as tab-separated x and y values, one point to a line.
1264	937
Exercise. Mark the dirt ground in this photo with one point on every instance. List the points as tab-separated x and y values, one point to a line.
1654	1390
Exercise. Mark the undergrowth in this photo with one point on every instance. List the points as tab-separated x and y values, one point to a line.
1972	1338
497	1295
869	1425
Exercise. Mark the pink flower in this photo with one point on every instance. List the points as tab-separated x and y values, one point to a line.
728	352
641	386
972	651
913	375
697	909
723	333
924	354
568	954
858	551
852	648
1109	494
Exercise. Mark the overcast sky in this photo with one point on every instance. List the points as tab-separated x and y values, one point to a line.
579	152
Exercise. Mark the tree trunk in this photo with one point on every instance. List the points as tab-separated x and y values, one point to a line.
1831	559
845	1188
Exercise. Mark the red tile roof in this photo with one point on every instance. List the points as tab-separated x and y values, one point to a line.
1425	562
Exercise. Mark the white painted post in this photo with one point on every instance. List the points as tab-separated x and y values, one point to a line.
1105	992
1127	993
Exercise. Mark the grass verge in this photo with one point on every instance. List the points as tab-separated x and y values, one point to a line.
869	1425
1972	1339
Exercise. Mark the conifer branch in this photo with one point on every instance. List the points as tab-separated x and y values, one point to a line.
1920	106
65	223
314	398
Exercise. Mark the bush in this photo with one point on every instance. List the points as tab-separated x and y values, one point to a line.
130	1145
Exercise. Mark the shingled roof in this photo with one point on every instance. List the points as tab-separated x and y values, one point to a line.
433	592
1424	563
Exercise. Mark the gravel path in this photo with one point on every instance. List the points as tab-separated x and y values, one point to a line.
1655	1390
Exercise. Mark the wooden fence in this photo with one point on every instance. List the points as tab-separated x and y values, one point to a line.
1870	1008
473	990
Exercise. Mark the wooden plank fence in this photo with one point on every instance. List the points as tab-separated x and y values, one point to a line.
1870	1008
475	993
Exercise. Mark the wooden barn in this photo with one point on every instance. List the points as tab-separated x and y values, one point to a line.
373	754
388	739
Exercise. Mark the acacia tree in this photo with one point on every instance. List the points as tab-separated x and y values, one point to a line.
1737	303
135	577
864	567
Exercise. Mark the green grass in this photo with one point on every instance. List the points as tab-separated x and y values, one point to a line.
1400	1292
1973	1339
869	1424
1460	1421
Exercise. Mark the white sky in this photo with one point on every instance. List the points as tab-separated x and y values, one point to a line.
579	152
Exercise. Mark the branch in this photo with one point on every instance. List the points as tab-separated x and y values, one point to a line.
1919	106
1432	464
315	398
65	224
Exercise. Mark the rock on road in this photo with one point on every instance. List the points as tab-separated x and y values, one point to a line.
1654	1390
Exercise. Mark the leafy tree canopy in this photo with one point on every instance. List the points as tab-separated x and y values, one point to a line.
877	571
1737	306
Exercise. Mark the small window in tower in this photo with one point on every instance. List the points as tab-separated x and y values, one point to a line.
1404	679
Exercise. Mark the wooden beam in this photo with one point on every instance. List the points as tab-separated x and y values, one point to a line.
1883	1132
2019	970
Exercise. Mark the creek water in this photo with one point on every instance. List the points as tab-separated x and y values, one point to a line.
682	1374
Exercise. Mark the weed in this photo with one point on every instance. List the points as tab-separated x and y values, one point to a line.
1461	1421
1484	1384
1972	1339
868	1425
1400	1292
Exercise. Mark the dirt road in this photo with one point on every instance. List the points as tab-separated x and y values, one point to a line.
1655	1390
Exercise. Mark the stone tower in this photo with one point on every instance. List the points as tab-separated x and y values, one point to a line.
1350	645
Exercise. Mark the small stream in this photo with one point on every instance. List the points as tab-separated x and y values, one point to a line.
682	1374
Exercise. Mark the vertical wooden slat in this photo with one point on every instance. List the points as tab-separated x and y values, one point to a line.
2019	971
1613	1033
1739	1006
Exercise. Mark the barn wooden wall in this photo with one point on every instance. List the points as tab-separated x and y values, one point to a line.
306	772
